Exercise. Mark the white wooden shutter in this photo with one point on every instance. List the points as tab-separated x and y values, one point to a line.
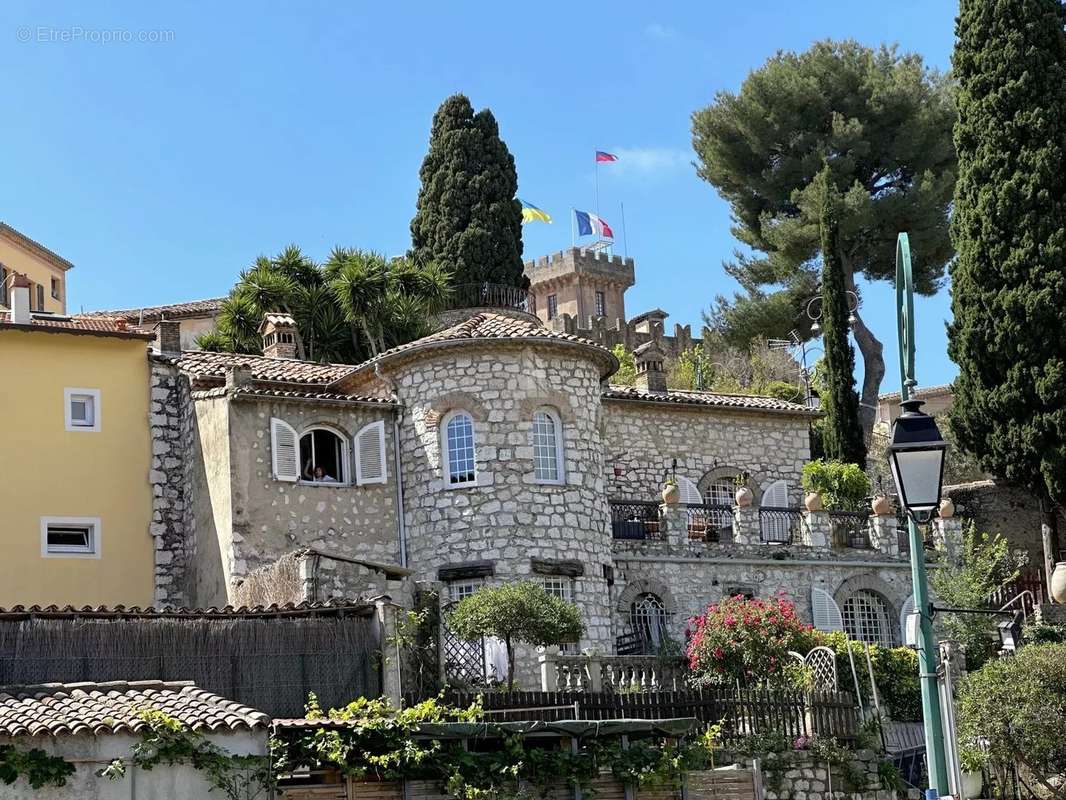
284	451
689	492
370	454
904	612
775	495
825	611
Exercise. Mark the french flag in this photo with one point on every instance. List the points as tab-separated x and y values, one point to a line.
589	224
602	156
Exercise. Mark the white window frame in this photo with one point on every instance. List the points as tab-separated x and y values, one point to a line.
68	395
560	460
95	537
346	456
445	449
360	480
463	588
561	586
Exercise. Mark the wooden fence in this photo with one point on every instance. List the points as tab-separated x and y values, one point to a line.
741	713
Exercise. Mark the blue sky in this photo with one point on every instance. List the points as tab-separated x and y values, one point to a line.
161	168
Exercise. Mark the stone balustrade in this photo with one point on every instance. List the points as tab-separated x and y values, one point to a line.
599	673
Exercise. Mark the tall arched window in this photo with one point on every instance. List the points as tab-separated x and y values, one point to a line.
458	449
866	619
547	446
648	618
323	456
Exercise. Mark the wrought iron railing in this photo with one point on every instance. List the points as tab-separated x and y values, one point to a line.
850	529
635	519
779	525
709	522
491	295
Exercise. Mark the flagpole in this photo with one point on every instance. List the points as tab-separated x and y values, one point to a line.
625	239
573	221
596	160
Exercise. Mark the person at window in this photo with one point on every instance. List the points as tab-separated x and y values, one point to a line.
321	476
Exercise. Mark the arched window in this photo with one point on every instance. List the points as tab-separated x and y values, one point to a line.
865	617
547	447
648	618
323	456
458	449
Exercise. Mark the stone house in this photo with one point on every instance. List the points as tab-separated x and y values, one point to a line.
496	450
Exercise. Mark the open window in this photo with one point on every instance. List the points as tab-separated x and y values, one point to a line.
70	537
323	457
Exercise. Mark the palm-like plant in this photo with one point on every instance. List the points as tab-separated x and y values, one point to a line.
354	306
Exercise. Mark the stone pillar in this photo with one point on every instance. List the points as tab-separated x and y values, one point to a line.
815	529
883	534
308	562
549	672
746	529
947	537
674	521
391	687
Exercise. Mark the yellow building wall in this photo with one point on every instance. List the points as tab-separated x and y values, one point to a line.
38	270
48	471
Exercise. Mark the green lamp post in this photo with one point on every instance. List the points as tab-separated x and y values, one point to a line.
916	455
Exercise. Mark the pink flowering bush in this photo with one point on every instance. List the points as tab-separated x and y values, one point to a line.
747	641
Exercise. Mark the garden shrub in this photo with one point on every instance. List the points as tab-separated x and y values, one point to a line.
843	487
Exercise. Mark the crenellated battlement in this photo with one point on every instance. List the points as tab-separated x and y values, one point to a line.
574	255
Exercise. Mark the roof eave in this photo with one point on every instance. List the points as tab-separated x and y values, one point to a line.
788	412
131	335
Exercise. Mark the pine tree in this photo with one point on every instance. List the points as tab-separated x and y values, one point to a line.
467	219
842	435
1009	227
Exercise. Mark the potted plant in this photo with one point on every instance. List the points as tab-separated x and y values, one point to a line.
671	493
971	762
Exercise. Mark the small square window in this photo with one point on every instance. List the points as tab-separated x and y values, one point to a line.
460	590
82	409
70	537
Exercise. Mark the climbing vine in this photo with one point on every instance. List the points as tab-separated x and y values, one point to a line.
166	740
35	765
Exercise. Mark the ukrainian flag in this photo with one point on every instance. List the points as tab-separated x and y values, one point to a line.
530	213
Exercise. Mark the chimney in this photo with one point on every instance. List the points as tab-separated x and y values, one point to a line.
168	337
649	359
238	376
279	335
20	300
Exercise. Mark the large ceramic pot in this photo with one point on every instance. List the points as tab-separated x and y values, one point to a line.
1058	583
744	497
813	502
882	506
671	494
947	508
971	785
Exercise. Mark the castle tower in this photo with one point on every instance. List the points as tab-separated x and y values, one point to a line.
581	283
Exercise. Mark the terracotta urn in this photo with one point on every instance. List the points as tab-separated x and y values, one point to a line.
744	497
813	501
1058	583
671	493
882	506
947	508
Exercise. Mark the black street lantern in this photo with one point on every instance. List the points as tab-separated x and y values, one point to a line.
916	454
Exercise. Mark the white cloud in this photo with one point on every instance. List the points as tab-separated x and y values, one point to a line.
656	30
650	161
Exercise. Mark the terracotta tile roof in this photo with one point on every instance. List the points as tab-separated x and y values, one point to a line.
922	391
488	327
283	394
204	364
90	326
31	244
328	607
740	402
192	308
70	709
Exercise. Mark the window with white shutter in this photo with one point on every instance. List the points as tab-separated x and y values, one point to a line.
284	451
825	611
370	454
689	491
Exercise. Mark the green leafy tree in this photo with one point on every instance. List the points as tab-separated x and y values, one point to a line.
467	218
843	487
842	435
1017	706
986	564
883	122
351	308
754	368
516	613
1009	225
627	366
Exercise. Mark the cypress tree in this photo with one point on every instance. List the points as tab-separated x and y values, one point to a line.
1009	227
842	436
467	219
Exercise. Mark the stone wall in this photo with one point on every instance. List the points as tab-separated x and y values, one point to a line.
797	775
171	490
642	439
508	518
